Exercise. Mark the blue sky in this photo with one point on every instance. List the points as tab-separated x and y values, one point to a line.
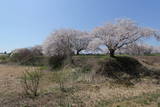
25	23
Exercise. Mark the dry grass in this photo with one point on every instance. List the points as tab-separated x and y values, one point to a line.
151	61
80	92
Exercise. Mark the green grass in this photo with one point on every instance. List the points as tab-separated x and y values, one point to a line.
155	54
99	55
94	56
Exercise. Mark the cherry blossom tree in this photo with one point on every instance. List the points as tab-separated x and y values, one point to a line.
59	43
122	32
94	44
36	50
65	42
137	49
81	41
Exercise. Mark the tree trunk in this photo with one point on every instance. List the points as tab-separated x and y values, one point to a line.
112	51
68	56
78	51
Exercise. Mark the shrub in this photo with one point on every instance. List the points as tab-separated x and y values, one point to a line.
65	78
56	62
20	55
36	61
61	78
86	69
27	56
30	81
4	58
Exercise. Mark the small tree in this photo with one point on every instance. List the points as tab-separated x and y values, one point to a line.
5	52
122	32
30	81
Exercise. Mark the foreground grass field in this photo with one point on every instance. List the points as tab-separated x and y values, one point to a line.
81	88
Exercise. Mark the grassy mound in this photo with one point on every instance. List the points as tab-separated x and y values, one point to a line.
121	69
126	70
118	66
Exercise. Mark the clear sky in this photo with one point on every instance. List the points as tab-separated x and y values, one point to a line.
25	23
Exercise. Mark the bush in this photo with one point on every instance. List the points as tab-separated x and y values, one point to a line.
86	69
65	78
4	58
27	57
30	81
20	55
61	78
56	62
35	61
